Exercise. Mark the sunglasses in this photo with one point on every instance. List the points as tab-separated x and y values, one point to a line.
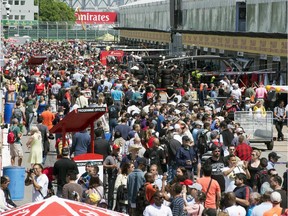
253	154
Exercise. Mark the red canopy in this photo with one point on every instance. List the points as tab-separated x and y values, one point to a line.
36	60
78	120
57	206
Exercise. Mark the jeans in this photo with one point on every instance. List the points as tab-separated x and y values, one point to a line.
112	124
111	184
279	127
29	120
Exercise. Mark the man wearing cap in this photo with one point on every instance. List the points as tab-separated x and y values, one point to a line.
276	210
132	157
272	159
111	164
189	198
60	169
135	181
239	131
186	156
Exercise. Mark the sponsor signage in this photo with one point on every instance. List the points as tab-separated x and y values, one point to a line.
92	17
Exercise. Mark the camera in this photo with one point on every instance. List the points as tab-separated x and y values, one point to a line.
31	171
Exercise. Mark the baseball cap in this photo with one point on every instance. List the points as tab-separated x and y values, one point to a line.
116	147
275	197
273	155
247	99
187	182
196	186
65	151
239	130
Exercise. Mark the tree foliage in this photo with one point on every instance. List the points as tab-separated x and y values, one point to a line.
55	11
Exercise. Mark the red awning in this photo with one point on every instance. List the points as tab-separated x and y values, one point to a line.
36	60
78	119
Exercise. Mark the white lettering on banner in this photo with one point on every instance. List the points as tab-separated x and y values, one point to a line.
88	212
95	18
87	110
92	17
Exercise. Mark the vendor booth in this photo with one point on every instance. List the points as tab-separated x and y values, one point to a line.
78	120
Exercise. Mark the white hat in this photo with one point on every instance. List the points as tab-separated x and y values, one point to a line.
247	99
196	186
177	126
275	197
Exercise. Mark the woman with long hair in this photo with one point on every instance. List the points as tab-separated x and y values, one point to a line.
35	143
95	193
121	188
254	165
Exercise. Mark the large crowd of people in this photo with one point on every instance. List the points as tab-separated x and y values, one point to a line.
163	155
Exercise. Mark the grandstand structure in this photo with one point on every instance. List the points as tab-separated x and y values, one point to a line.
99	5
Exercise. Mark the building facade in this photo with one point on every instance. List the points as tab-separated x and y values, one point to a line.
21	10
254	29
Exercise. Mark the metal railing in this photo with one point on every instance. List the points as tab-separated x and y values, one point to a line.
57	30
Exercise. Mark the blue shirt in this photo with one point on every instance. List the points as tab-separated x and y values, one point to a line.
117	95
135	181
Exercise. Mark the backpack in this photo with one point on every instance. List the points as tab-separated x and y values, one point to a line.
263	176
11	136
17	114
122	193
202	144
24	86
141	201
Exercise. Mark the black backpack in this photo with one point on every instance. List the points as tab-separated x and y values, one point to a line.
202	144
141	201
122	193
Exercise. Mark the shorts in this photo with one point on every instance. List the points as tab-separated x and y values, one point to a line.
16	150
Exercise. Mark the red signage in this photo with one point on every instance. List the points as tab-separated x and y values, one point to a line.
117	53
92	17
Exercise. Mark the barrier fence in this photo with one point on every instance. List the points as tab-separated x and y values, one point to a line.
57	30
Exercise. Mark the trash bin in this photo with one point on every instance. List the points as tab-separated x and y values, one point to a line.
8	112
17	178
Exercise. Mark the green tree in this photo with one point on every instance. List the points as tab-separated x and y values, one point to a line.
55	11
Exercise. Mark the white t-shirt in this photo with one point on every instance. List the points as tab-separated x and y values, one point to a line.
235	211
260	209
230	179
153	210
42	181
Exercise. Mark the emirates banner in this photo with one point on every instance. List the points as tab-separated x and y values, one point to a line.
92	17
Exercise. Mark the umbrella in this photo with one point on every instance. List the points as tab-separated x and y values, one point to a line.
57	206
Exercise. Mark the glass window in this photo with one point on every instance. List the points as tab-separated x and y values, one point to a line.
22	2
16	2
10	2
16	17
11	17
22	17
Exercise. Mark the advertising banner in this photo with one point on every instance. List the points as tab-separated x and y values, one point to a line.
92	17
